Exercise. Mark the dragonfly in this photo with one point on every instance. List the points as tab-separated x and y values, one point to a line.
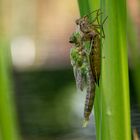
83	73
85	57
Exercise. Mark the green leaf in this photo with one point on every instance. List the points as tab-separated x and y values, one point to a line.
112	107
8	126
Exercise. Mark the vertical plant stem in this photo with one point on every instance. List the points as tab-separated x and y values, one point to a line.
115	83
112	107
8	127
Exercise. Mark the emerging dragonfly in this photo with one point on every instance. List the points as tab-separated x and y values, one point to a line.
83	73
85	57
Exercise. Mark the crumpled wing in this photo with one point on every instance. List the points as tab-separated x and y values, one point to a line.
79	78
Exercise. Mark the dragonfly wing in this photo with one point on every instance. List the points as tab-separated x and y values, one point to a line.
79	78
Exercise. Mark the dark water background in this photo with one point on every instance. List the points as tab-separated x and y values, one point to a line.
49	106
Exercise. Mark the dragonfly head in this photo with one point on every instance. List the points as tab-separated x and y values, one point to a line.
82	21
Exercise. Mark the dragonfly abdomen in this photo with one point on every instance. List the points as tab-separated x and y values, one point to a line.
89	97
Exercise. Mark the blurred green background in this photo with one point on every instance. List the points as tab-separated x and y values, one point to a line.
37	86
